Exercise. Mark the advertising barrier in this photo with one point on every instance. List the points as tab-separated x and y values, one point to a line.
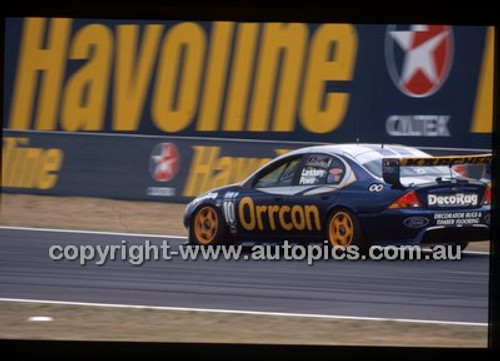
141	168
423	85
170	169
164	110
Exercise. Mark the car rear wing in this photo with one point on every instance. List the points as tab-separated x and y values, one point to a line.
391	166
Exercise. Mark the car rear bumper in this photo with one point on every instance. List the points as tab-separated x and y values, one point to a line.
440	234
424	226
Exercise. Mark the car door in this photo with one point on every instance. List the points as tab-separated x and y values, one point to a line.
314	189
259	203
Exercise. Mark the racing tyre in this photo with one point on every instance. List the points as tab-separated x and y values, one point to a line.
207	228
343	229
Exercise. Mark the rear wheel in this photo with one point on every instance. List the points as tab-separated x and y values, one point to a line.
343	229
207	228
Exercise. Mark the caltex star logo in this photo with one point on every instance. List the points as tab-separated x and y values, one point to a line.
419	57
164	162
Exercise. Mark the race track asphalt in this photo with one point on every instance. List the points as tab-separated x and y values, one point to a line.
429	290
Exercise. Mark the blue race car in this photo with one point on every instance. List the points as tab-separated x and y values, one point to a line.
348	194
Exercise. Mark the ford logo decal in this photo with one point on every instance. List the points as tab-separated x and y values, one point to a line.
416	222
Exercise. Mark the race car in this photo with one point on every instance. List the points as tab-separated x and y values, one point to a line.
348	194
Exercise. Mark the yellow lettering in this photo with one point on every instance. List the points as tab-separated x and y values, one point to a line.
30	167
259	162
483	110
222	172
287	226
50	166
243	167
25	167
17	169
208	171
220	46
181	61
272	211
246	202
288	42
201	169
86	91
311	211
323	67
260	210
9	154
241	73
297	216
300	216
34	58
133	73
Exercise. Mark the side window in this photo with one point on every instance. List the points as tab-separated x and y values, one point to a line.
286	177
277	175
336	171
322	169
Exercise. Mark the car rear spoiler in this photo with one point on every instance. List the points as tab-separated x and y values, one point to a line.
391	166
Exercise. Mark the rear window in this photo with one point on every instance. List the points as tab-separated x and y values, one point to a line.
375	167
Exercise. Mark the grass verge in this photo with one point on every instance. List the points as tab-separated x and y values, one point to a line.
104	323
97	214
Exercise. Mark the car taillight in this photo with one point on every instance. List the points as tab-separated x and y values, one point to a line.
487	196
408	200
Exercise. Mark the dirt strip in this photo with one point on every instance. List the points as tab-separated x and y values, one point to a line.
95	214
103	323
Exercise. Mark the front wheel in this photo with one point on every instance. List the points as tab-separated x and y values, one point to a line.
207	228
343	229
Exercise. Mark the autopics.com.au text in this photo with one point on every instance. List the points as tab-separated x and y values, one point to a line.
138	254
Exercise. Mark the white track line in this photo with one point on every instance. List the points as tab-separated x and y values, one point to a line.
134	234
91	232
243	312
476	252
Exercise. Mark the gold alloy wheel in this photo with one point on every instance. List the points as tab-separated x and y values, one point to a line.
205	225
341	229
